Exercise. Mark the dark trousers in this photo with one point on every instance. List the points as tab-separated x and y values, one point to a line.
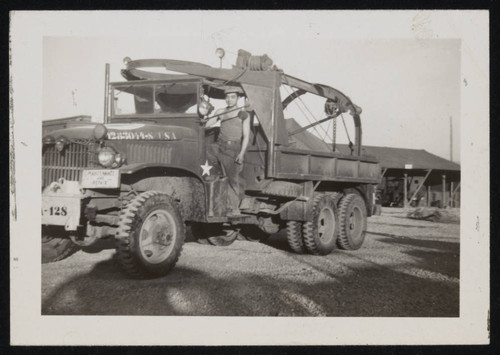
226	152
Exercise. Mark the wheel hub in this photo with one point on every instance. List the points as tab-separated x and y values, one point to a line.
326	224
355	219
163	238
157	236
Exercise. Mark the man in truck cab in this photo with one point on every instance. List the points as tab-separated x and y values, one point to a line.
232	144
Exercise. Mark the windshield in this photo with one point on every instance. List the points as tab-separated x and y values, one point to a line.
162	98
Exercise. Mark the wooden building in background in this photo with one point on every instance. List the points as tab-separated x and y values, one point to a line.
414	177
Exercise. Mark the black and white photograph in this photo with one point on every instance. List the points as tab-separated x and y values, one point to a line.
249	177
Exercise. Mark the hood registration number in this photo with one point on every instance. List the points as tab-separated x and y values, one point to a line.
134	135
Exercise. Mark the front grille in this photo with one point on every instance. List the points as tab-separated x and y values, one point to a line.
149	152
67	164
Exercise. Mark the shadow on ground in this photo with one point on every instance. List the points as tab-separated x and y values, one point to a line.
278	241
438	256
99	245
403	225
442	220
366	290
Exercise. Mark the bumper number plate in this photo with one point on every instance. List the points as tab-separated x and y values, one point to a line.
61	211
101	179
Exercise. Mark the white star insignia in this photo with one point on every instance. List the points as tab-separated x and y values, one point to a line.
206	168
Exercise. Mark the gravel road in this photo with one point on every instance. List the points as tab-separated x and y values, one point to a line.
406	268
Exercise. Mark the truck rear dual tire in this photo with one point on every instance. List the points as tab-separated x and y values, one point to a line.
352	222
150	235
294	237
320	234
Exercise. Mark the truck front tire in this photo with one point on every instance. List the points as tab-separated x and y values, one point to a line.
150	235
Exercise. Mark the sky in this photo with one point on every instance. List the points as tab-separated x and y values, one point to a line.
408	88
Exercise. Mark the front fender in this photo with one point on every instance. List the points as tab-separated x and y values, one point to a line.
186	187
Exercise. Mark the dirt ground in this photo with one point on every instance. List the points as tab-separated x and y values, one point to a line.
406	268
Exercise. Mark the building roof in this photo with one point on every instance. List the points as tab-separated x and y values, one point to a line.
399	158
389	157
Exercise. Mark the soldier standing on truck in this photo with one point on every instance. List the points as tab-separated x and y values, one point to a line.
232	144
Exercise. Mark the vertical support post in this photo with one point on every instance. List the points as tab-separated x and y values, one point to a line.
106	94
358	133
452	198
443	198
405	193
428	195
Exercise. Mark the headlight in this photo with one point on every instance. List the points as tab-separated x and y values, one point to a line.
109	158
106	157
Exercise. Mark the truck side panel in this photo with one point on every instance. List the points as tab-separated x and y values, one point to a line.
299	165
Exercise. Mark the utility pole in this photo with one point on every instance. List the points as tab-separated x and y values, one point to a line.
451	138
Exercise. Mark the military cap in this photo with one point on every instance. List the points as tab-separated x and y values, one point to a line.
233	89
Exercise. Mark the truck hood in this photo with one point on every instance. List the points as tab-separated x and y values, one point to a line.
127	131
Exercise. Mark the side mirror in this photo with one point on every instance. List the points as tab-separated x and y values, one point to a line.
205	108
243	115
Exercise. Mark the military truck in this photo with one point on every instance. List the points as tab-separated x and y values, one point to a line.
146	176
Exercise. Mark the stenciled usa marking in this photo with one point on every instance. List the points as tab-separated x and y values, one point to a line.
141	135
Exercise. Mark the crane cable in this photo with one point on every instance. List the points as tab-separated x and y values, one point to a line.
311	122
346	131
288	88
326	132
312	115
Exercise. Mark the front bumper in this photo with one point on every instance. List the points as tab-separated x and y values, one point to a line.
61	204
62	200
